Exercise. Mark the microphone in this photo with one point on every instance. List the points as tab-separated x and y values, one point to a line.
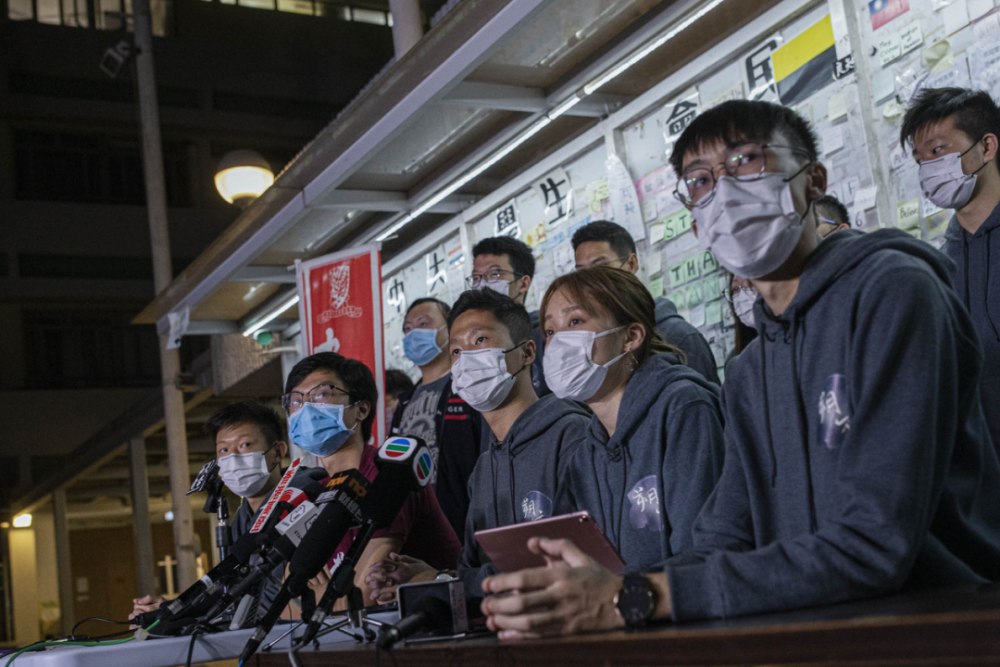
404	466
341	513
197	596
433	608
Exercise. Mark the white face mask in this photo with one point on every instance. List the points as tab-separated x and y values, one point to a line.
498	286
944	183
245	474
750	226
480	377
743	302
570	370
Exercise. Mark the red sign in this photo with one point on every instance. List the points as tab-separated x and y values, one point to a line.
340	308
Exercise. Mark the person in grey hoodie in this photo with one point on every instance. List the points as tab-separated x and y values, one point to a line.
955	134
523	467
603	243
858	461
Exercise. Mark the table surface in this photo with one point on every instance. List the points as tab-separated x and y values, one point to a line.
959	626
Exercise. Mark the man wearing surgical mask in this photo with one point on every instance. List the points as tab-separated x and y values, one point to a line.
531	440
506	265
954	134
249	447
857	458
434	412
330	401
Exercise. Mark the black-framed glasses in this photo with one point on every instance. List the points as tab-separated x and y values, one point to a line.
491	276
321	393
605	261
746	162
731	292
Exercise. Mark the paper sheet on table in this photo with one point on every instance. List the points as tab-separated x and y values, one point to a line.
837	106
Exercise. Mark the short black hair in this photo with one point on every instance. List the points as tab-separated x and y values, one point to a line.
397	382
521	259
839	211
736	121
508	312
975	112
616	236
445	308
357	378
246	412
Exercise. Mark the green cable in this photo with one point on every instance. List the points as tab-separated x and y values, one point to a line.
38	645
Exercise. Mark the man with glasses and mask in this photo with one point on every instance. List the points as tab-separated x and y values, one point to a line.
434	412
858	461
954	134
506	265
249	446
330	401
605	243
831	215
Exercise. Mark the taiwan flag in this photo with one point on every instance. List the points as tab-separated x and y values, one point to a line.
883	11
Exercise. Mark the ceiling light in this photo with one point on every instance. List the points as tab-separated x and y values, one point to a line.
271	313
242	176
22	521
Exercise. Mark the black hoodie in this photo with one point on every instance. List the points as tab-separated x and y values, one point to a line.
681	334
517	479
858	460
978	286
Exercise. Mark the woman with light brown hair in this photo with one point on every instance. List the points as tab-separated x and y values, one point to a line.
654	447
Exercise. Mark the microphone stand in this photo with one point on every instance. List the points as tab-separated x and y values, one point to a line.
216	503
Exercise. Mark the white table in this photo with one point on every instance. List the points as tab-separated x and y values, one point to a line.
173	651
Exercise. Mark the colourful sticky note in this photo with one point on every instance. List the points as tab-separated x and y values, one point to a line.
676	224
713	313
908	214
656	286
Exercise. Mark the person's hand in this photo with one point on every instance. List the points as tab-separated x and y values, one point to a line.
571	594
144	604
385	576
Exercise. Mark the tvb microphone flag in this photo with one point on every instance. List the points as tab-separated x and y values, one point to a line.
340	308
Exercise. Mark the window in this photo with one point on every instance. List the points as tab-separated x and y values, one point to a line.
369	16
78	13
95	168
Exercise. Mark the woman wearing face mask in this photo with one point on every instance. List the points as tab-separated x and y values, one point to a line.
330	401
741	296
654	445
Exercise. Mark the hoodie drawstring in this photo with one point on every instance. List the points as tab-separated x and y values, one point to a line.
803	427
986	294
767	409
510	475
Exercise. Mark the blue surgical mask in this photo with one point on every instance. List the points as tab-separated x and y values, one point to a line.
319	428
420	346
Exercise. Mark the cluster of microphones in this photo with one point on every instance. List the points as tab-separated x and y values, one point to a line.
301	528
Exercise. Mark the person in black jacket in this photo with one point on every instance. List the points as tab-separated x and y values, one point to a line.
432	411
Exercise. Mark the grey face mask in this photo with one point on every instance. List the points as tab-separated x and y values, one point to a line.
945	184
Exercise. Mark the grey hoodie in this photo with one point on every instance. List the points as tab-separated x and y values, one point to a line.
679	333
857	456
517	480
645	484
977	284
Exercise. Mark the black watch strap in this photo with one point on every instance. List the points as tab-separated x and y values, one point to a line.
636	601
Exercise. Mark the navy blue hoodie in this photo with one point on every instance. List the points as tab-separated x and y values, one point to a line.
517	479
645	484
978	287
857	456
681	334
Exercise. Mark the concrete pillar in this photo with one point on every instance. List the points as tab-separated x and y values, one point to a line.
24	586
407	28
145	567
66	614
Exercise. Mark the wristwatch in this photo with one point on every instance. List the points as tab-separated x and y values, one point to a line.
445	575
636	601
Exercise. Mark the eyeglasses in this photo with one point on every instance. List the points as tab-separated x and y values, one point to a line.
731	292
321	393
605	261
491	276
746	162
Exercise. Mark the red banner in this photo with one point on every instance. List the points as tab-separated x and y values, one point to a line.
340	308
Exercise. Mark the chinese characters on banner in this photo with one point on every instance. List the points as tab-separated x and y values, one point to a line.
557	196
506	221
341	311
437	272
759	73
677	115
